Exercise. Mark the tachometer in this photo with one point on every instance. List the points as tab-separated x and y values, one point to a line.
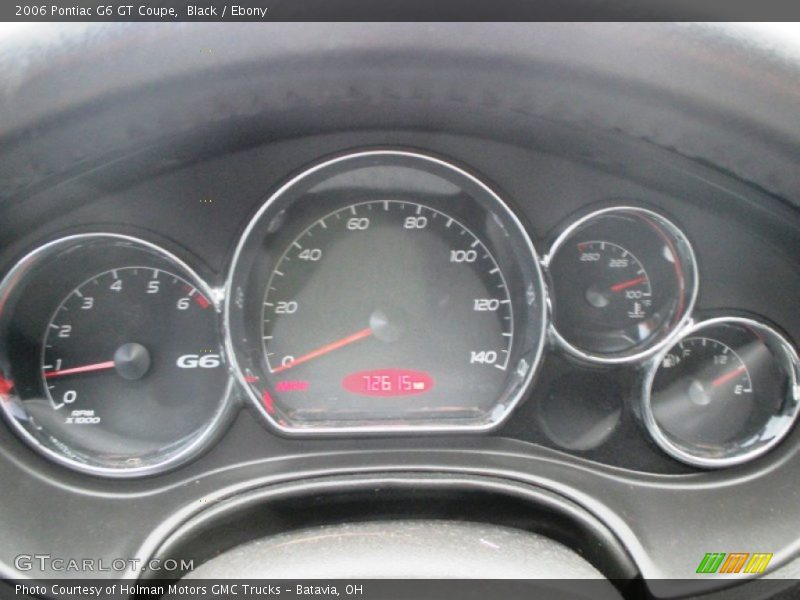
390	291
124	338
111	358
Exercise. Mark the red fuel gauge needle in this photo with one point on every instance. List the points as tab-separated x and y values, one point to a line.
624	285
322	350
728	376
109	364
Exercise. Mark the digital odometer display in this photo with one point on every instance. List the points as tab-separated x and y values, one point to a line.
395	294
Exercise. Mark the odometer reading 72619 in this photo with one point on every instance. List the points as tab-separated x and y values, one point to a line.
386	285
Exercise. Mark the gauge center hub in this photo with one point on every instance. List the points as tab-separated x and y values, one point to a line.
388	325
132	361
698	394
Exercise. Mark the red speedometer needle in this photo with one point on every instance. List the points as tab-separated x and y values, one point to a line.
624	285
728	376
322	350
109	364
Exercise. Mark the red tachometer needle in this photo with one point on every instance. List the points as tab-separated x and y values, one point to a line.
624	285
109	364
322	350
728	376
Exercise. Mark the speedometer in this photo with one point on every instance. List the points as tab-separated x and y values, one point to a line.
449	316
386	291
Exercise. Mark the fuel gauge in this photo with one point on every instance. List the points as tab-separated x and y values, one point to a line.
725	393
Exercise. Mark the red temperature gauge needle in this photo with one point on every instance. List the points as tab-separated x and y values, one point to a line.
322	350
624	285
109	364
728	376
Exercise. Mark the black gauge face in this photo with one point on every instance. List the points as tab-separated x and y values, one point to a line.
122	355
725	390
623	280
617	284
390	303
129	372
419	305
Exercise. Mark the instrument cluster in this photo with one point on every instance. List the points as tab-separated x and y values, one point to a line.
382	291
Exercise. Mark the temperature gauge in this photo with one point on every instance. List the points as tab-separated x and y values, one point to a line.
623	282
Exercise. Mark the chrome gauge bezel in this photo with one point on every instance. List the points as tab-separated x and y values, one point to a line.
233	296
199	441
674	330
680	453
